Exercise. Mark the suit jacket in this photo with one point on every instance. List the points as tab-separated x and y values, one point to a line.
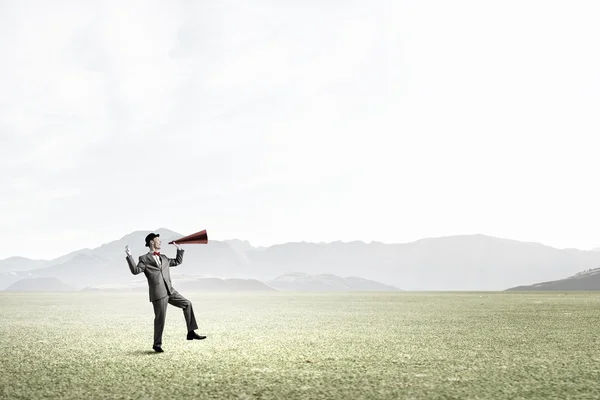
159	279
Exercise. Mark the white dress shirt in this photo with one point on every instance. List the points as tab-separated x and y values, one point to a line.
157	259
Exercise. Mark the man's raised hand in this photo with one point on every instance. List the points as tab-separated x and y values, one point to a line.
127	250
176	245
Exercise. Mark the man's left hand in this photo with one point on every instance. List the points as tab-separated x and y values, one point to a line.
176	245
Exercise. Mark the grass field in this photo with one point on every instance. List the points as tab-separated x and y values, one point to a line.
502	345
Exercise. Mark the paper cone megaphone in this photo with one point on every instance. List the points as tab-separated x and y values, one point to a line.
198	237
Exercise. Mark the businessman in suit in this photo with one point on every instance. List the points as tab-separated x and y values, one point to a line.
156	268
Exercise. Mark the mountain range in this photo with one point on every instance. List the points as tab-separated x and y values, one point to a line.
587	280
464	262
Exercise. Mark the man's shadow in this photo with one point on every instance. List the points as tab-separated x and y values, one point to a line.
142	352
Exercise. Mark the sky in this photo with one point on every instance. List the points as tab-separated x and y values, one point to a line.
288	121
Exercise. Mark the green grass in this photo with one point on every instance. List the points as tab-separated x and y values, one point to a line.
502	345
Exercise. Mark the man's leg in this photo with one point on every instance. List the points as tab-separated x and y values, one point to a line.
188	312
160	314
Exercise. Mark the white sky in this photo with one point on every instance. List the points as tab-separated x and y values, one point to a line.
277	121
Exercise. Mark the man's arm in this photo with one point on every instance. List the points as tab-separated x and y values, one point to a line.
135	269
173	262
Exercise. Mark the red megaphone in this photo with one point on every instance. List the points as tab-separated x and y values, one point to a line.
198	237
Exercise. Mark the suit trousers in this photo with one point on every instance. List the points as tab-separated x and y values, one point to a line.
160	314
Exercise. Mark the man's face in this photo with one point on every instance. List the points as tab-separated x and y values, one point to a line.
156	243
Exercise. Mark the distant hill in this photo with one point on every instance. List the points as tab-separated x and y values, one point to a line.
193	284
20	264
103	265
586	280
224	285
326	283
287	282
465	262
40	285
243	245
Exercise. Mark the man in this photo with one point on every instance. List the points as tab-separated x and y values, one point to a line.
156	268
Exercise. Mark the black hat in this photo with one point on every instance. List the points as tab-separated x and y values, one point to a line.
151	237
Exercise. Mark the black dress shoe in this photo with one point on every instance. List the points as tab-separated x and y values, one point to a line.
193	335
158	349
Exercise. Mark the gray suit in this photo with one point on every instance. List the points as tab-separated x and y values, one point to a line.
161	290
